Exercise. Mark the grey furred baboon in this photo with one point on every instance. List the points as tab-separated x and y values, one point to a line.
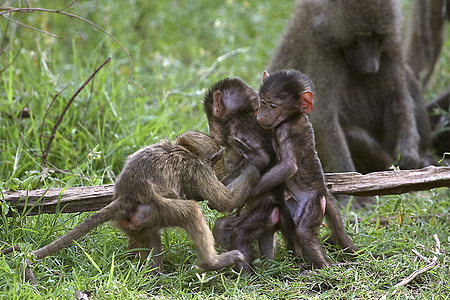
425	36
424	40
158	187
365	116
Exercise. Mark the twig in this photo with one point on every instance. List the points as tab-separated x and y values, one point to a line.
5	10
58	122
31	27
414	274
45	116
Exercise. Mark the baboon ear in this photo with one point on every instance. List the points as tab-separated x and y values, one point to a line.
265	76
306	102
218	108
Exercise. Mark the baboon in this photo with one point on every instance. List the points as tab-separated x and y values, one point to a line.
425	36
364	118
237	128
439	110
285	99
230	107
158	187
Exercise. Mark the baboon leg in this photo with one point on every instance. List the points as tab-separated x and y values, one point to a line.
147	241
368	155
311	247
266	244
187	214
287	228
307	219
256	225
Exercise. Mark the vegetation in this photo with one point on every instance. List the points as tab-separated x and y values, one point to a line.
179	49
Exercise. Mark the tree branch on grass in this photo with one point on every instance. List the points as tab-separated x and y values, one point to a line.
92	198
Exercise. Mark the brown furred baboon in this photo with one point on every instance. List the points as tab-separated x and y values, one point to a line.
285	99
158	187
364	117
230	107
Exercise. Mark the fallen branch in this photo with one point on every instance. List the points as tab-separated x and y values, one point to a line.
388	182
414	274
92	198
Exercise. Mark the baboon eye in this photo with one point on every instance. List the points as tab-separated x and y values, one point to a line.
263	102
273	105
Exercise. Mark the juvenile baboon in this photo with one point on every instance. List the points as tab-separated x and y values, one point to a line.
285	99
259	220
230	107
364	118
158	187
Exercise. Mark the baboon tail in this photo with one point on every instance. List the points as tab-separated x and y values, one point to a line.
102	216
338	234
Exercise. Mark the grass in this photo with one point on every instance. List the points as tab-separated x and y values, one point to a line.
179	49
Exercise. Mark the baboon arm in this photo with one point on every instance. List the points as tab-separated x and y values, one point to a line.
225	199
284	169
251	150
329	136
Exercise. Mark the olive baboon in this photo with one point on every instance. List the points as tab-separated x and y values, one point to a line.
425	36
230	107
364	118
158	187
285	99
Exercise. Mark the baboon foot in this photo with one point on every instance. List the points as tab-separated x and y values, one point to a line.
223	260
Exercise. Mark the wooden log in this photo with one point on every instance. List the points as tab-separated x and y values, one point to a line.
92	198
388	182
67	200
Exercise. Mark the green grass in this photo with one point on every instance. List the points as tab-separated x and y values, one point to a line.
179	49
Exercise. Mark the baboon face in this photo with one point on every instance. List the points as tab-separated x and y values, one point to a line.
363	55
226	100
283	95
270	113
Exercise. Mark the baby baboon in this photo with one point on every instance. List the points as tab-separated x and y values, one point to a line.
158	187
285	99
352	52
230	106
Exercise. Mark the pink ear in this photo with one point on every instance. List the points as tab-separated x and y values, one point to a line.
218	107
265	76
306	102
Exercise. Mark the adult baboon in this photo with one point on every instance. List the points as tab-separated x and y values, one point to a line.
364	118
425	35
